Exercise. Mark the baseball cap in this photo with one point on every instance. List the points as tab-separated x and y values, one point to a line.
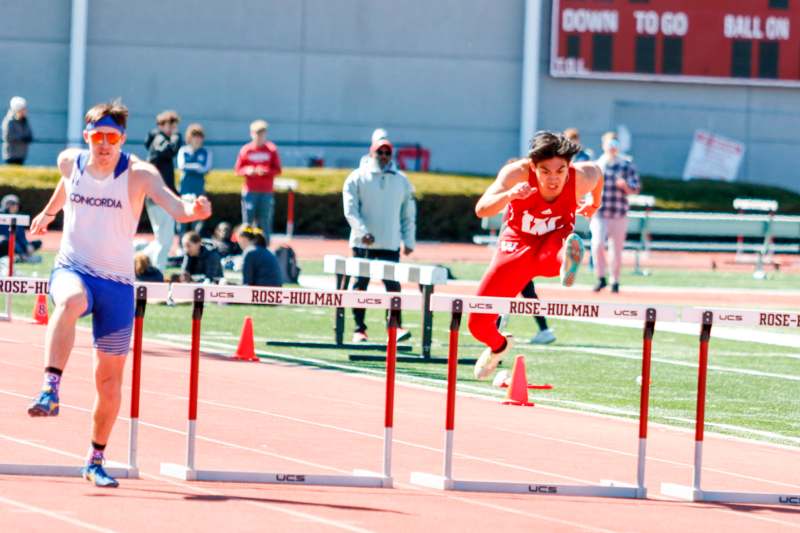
380	143
379	134
17	104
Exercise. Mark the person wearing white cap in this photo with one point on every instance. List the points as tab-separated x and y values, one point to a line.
378	134
17	134
379	206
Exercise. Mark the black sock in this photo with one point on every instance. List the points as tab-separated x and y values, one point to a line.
54	370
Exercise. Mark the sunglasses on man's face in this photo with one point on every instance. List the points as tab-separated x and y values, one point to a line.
384	152
111	137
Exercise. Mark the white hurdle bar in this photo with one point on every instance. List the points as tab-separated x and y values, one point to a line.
199	294
458	305
156	291
12	221
739	317
427	276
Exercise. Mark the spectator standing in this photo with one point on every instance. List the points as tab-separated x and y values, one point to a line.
24	249
574	136
259	163
379	206
162	144
17	134
200	262
610	223
194	161
259	265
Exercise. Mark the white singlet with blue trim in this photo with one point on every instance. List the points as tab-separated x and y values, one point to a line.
99	225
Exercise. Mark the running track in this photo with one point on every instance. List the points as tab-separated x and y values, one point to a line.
278	417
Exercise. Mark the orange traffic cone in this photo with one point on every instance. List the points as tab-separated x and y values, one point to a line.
246	350
518	389
40	315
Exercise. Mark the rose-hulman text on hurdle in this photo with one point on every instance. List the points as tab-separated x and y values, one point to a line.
198	294
458	305
707	318
143	292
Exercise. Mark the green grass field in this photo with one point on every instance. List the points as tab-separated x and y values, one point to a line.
754	388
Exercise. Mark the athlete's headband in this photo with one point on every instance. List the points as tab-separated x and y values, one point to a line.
106	121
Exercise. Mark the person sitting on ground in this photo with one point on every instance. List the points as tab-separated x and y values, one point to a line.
259	265
223	242
200	262
144	270
24	250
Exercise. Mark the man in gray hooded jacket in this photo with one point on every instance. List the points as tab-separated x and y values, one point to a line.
379	206
16	132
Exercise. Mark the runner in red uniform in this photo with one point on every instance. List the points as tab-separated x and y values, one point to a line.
543	193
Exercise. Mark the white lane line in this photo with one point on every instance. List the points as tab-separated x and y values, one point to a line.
54	515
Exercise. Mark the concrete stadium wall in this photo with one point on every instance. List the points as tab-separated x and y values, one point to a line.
445	74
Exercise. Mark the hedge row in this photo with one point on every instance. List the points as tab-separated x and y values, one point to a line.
439	217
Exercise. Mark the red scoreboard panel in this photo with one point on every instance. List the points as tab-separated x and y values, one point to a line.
744	42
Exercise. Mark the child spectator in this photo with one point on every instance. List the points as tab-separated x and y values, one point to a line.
200	262
144	270
259	265
195	161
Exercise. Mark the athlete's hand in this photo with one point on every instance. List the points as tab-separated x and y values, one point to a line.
520	191
40	223
201	209
587	210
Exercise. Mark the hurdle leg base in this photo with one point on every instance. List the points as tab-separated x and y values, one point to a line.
178	472
388	482
681	492
116	470
641	492
431	481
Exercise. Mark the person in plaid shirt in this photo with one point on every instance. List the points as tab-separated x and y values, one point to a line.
610	223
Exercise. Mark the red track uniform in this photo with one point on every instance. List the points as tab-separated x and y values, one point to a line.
530	246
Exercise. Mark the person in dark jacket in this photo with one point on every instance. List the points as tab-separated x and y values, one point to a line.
200	262
144	270
259	265
17	134
24	250
162	145
223	242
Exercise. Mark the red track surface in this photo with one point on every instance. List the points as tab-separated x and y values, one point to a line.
279	417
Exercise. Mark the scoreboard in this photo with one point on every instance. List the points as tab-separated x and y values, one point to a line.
743	42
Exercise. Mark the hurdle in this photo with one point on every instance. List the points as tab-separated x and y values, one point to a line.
198	294
290	186
707	318
12	221
457	305
160	291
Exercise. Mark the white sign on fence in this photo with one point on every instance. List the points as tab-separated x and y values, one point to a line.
713	157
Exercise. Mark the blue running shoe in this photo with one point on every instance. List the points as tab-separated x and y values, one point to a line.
573	255
96	474
46	404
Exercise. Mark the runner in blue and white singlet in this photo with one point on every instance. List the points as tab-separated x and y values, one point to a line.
102	191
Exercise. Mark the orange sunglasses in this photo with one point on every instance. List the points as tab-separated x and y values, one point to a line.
111	137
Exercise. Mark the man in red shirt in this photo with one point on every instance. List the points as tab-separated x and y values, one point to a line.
543	193
259	163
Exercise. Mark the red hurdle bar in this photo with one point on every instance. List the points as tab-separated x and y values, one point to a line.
136	374
502	306
739	317
248	295
290	215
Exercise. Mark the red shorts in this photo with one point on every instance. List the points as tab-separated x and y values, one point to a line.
516	261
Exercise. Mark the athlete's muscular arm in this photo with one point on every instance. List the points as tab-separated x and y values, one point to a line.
148	182
588	179
66	160
511	183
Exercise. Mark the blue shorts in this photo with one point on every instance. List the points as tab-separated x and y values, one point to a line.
111	305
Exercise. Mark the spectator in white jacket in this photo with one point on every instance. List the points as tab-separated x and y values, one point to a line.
379	206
